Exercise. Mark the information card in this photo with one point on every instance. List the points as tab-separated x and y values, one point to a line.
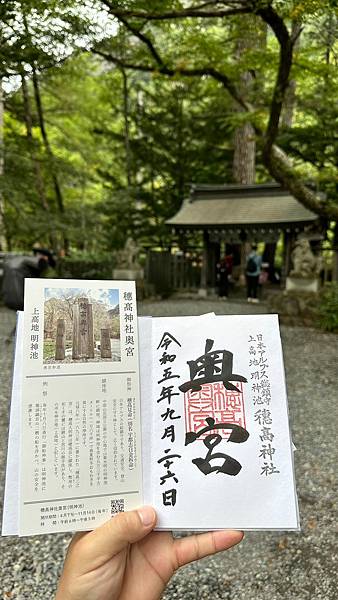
80	409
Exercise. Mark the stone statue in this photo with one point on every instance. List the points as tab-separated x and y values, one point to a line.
128	257
305	264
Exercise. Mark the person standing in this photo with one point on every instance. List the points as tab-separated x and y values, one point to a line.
17	269
253	269
222	277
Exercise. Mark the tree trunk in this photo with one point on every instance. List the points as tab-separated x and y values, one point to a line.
2	221
180	169
49	152
335	254
290	94
126	128
41	119
40	187
244	158
244	165
289	105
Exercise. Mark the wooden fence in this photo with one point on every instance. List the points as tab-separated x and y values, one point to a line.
172	272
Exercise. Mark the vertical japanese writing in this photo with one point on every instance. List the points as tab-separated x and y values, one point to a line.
122	437
44	437
37	422
35	335
90	423
118	449
261	388
167	391
104	432
37	433
129	326
212	367
131	416
80	433
77	444
63	445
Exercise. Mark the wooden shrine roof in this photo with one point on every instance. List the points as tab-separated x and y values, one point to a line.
216	206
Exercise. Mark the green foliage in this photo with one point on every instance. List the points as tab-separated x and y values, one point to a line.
86	266
328	308
125	146
48	349
299	9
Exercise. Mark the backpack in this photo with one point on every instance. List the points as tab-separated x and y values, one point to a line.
251	266
16	268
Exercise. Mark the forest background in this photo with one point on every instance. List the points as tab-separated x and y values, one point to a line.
111	109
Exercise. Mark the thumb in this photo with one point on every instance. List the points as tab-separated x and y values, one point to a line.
121	530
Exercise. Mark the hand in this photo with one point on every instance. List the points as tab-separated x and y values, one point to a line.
124	560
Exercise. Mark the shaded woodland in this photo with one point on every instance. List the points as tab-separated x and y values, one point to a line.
111	109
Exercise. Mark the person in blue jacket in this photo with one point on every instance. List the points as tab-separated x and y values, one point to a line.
252	272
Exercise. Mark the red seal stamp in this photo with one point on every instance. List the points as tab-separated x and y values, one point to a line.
213	400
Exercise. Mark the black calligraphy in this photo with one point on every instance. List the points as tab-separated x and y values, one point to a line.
210	368
261	389
228	465
129	326
35	332
166	398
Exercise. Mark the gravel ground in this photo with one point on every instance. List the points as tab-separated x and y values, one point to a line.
265	566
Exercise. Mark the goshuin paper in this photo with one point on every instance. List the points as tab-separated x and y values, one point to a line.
221	452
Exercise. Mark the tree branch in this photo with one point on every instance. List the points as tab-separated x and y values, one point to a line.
41	68
192	11
299	154
286	44
172	72
281	169
275	160
143	38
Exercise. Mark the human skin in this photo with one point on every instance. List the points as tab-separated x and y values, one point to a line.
125	560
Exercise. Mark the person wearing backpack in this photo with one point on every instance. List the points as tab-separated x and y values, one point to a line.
252	272
17	269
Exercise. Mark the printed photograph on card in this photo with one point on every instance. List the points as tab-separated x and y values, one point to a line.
81	325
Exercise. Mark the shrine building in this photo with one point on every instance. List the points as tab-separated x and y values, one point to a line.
236	216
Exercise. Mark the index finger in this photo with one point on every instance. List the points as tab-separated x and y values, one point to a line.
198	546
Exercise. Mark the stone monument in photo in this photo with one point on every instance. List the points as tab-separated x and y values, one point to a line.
304	277
83	332
128	266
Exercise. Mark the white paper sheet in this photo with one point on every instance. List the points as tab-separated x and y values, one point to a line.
10	516
262	495
80	410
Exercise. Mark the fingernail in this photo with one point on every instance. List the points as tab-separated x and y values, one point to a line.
147	515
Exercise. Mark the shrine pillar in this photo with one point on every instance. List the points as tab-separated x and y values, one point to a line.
288	242
204	270
211	256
